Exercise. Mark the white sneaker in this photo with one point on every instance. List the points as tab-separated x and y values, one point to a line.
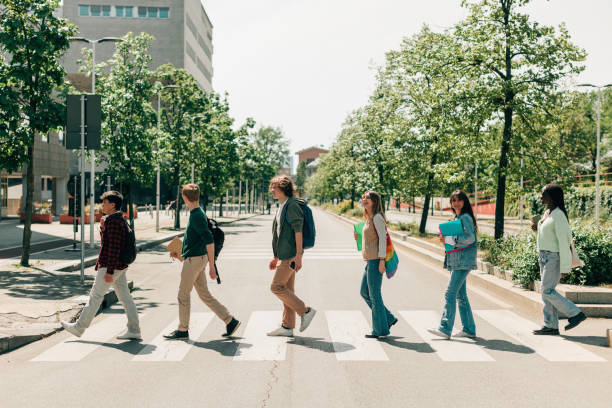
307	318
128	335
282	332
72	329
438	333
464	334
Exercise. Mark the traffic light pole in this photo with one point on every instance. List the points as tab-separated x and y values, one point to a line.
82	189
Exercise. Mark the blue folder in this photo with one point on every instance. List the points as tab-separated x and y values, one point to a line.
451	228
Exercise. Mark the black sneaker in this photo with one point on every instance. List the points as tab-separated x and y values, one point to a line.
177	335
546	331
371	336
231	327
575	321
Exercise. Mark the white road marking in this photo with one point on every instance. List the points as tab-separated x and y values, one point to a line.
448	350
256	345
76	348
160	349
552	348
347	330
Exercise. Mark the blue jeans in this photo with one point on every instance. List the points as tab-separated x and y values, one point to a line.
550	273
456	293
370	292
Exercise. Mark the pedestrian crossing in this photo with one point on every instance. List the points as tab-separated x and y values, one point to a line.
322	251
345	337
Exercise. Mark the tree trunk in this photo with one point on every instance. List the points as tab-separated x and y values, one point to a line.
424	214
177	208
221	206
130	205
27	226
501	175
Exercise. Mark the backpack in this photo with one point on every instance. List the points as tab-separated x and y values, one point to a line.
218	236
308	230
129	251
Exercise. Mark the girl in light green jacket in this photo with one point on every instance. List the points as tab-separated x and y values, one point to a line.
555	258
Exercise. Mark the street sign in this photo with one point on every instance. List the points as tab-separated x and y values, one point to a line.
93	116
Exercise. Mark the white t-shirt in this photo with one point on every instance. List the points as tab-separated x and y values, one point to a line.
279	212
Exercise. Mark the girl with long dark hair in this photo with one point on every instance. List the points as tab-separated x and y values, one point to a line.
555	258
460	263
374	249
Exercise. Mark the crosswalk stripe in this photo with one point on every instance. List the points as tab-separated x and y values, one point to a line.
447	350
347	330
256	345
160	349
552	348
76	348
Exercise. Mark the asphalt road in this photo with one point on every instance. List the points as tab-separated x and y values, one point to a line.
329	365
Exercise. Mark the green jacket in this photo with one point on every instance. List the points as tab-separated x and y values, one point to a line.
197	234
283	244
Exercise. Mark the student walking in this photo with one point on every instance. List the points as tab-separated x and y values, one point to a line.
554	255
374	250
460	262
111	271
198	251
287	245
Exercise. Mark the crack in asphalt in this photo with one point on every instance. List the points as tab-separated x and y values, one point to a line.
273	380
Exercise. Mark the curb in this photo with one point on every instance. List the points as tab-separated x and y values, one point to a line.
22	337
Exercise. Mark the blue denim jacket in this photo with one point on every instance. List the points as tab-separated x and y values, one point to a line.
466	258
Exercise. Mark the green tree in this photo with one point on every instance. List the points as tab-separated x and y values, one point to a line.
128	118
518	65
300	178
35	39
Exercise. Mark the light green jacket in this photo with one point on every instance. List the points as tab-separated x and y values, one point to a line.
554	235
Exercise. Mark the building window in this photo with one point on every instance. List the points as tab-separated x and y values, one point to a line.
106	11
83	10
96	11
118	11
164	12
60	137
129	11
142	12
152	12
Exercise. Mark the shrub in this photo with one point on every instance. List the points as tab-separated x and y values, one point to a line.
356	212
344	206
519	253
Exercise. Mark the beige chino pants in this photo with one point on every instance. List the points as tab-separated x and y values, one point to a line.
192	276
283	286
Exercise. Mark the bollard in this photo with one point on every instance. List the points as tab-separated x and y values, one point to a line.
609	337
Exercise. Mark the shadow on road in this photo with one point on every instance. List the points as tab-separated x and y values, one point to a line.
226	347
418	347
502	345
321	345
130	346
590	340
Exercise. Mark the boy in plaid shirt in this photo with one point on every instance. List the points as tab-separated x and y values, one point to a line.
111	271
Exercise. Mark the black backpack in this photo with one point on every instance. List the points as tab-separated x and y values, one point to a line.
129	251
218	236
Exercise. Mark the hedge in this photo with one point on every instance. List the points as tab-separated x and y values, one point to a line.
519	253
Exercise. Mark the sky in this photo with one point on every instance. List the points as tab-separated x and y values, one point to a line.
304	65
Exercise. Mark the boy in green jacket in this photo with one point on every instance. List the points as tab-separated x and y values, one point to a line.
198	250
287	247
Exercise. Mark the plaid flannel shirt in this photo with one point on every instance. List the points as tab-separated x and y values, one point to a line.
113	233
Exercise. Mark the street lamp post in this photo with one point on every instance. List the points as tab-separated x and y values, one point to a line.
157	188
93	152
597	156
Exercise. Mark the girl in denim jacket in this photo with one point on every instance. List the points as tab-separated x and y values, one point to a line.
460	263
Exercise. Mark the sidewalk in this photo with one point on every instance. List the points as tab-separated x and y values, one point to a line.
34	299
485	222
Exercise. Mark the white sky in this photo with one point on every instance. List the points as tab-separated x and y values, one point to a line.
303	65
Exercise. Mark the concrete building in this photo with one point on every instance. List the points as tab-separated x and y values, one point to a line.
310	154
182	31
